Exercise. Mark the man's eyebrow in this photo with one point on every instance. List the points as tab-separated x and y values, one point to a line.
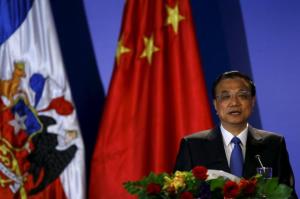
224	91
228	91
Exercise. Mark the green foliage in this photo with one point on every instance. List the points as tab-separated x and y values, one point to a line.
139	187
217	183
270	188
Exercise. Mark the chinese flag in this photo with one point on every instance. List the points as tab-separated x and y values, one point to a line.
157	95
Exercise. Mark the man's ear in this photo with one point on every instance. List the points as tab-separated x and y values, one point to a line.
215	105
253	101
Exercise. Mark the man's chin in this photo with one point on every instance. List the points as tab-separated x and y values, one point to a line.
237	123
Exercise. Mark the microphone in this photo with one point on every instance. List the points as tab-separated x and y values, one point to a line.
266	172
258	158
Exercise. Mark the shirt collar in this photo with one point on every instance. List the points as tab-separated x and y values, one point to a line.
227	136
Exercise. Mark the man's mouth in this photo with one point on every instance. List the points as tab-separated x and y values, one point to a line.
234	112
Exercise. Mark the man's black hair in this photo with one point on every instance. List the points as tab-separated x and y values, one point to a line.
232	75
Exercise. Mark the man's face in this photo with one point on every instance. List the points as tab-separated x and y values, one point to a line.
233	102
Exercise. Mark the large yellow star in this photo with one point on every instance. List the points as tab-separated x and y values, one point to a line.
149	49
174	17
121	49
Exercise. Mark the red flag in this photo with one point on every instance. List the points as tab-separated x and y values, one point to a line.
157	96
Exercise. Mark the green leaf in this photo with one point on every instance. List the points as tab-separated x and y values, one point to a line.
132	187
216	183
272	189
267	185
281	192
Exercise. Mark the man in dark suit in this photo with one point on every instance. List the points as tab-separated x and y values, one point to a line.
234	99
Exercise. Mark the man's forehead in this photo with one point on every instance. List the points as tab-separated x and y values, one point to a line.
234	84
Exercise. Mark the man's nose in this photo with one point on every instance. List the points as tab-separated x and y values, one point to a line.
234	100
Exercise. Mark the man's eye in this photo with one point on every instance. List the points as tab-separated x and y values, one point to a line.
225	97
244	96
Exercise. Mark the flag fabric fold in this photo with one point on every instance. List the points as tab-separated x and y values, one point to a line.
157	95
41	149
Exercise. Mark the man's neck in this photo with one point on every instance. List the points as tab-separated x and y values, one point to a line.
234	129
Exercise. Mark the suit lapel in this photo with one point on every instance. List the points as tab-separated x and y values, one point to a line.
254	147
218	150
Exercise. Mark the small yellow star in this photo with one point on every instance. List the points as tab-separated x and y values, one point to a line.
121	49
174	17
149	49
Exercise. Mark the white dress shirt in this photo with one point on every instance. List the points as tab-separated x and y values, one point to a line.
227	137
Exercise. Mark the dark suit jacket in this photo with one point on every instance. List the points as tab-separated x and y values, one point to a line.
206	148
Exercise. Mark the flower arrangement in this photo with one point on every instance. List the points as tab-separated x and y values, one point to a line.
197	184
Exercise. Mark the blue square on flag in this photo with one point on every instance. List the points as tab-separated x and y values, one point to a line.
31	121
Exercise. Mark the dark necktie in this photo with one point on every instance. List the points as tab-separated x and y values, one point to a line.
236	158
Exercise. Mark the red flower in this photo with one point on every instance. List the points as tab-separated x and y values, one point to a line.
231	189
200	172
153	188
248	186
186	195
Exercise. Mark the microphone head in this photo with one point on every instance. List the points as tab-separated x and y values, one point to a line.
259	161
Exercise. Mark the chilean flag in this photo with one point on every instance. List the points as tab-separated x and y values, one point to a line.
41	148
